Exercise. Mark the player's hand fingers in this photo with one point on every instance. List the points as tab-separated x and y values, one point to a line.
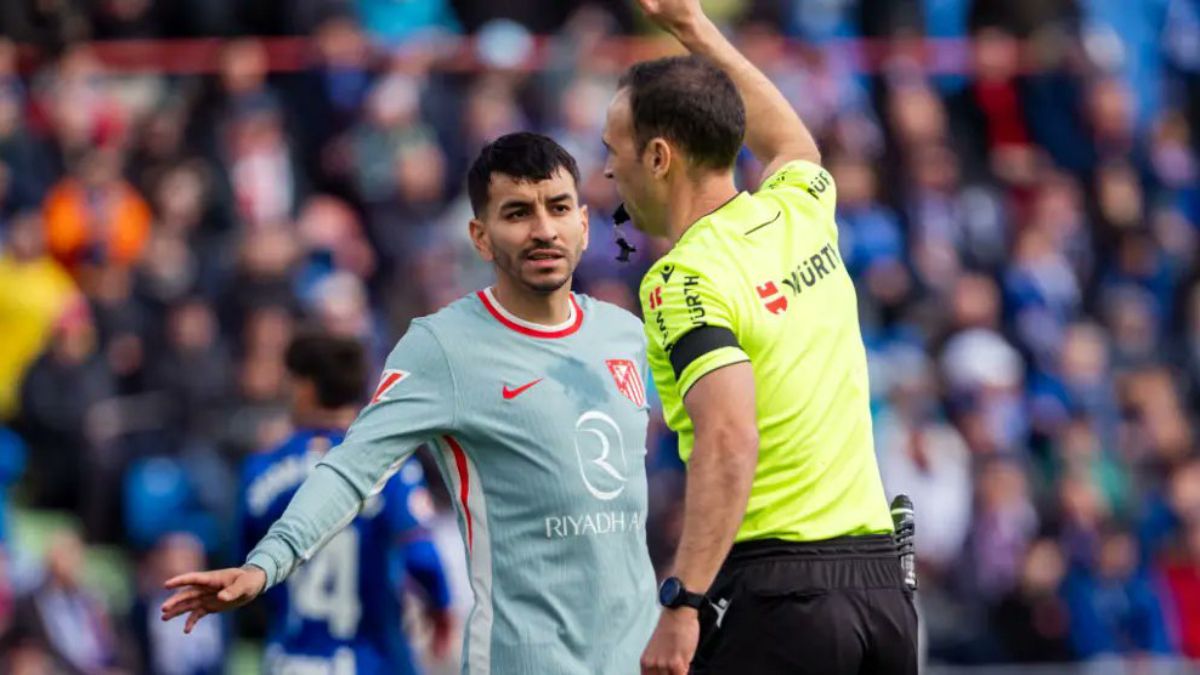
187	606
182	597
193	618
203	579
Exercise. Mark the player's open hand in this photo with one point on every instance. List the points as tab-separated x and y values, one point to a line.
673	644
199	594
672	14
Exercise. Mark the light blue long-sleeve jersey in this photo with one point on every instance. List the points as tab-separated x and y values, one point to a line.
540	435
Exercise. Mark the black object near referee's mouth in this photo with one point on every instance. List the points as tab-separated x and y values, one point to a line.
620	217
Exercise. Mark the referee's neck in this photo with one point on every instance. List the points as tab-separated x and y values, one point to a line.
693	197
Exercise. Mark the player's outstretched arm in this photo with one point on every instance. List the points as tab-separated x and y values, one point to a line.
774	132
199	594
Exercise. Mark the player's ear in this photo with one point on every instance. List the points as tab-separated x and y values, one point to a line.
583	220
479	237
659	156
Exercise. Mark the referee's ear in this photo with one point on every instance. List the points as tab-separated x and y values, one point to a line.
658	156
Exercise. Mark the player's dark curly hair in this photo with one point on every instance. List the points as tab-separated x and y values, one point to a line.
337	366
523	156
689	101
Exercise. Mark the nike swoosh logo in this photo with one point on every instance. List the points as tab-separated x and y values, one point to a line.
510	394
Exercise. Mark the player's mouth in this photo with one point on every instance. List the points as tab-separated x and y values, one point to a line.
544	258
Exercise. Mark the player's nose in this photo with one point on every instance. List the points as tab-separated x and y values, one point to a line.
542	227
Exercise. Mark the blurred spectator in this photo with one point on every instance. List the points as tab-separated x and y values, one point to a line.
925	457
1155	429
1043	293
257	416
391	121
164	648
993	129
1032	620
94	216
186	250
1002	526
327	99
408	222
1114	607
194	371
333	240
75	626
265	174
34	289
869	233
74	103
1170	510
261	277
984	374
1080	454
1079	385
1111	116
58	410
19	148
1082	514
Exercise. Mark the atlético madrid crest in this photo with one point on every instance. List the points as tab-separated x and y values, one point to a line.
629	382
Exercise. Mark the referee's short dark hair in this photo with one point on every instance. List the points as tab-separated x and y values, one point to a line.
337	367
688	101
523	156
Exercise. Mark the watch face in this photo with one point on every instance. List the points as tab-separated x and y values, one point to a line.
669	592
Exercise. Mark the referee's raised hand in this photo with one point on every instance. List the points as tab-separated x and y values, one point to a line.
204	593
671	15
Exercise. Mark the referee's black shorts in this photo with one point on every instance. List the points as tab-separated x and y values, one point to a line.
835	607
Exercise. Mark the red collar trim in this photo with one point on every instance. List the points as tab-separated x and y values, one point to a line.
533	332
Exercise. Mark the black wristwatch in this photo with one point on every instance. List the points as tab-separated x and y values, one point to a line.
672	594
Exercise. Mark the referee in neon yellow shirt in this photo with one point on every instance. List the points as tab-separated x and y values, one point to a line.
786	562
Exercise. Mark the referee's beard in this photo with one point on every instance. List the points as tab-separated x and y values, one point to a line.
542	276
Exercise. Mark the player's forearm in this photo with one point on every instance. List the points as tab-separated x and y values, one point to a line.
720	474
774	132
323	505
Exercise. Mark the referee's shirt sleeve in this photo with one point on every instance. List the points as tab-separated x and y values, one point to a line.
691	322
803	182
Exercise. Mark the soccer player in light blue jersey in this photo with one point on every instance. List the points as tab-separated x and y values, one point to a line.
533	399
341	613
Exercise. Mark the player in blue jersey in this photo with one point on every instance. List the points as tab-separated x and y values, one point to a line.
341	613
532	398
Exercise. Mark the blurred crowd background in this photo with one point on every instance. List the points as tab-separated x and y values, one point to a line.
1018	202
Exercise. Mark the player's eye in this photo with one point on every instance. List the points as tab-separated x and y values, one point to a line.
562	208
516	214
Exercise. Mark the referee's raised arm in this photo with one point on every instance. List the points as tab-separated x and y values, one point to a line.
774	132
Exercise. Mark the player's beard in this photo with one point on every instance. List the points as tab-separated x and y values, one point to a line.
513	265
